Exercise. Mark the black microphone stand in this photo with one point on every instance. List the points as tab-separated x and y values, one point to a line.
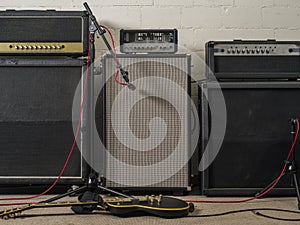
101	31
291	168
90	191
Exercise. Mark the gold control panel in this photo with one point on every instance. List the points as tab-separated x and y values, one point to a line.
41	47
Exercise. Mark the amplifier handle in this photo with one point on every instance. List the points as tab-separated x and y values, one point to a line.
294	50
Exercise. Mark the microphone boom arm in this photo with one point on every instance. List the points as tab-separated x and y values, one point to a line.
102	32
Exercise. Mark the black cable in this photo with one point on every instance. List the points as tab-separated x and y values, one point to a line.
274	218
224	213
254	210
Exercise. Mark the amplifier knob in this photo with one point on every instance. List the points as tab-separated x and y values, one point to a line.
248	50
228	50
253	51
44	47
233	50
20	47
267	51
34	47
238	51
58	47
16	47
257	50
48	46
262	51
53	47
30	47
244	50
39	47
25	47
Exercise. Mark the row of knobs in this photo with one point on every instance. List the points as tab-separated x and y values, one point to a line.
149	47
153	47
142	48
37	47
248	51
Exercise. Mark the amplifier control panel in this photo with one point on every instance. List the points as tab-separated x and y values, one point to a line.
41	47
252	49
139	47
253	59
148	41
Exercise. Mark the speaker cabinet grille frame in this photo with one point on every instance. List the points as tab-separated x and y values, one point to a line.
44	128
143	66
257	137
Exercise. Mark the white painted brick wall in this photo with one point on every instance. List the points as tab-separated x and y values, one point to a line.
287	3
214	2
174	2
197	20
200	16
128	17
284	34
281	17
242	17
160	17
255	3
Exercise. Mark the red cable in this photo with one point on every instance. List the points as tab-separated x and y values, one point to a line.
115	57
266	191
71	150
19	203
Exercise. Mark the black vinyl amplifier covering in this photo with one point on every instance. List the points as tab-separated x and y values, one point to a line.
47	32
246	59
257	138
36	121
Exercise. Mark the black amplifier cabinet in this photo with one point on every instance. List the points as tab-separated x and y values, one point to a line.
36	121
47	32
239	59
257	138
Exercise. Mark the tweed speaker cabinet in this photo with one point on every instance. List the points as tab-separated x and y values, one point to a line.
148	166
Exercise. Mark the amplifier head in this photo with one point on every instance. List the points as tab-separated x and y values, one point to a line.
253	59
148	41
47	32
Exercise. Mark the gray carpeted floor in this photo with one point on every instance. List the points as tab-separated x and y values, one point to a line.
57	216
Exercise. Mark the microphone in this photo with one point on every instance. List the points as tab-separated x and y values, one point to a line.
131	86
124	74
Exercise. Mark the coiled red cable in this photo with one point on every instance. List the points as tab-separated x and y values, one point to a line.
115	57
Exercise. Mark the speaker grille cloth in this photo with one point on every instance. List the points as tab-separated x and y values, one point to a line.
174	69
36	120
16	29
